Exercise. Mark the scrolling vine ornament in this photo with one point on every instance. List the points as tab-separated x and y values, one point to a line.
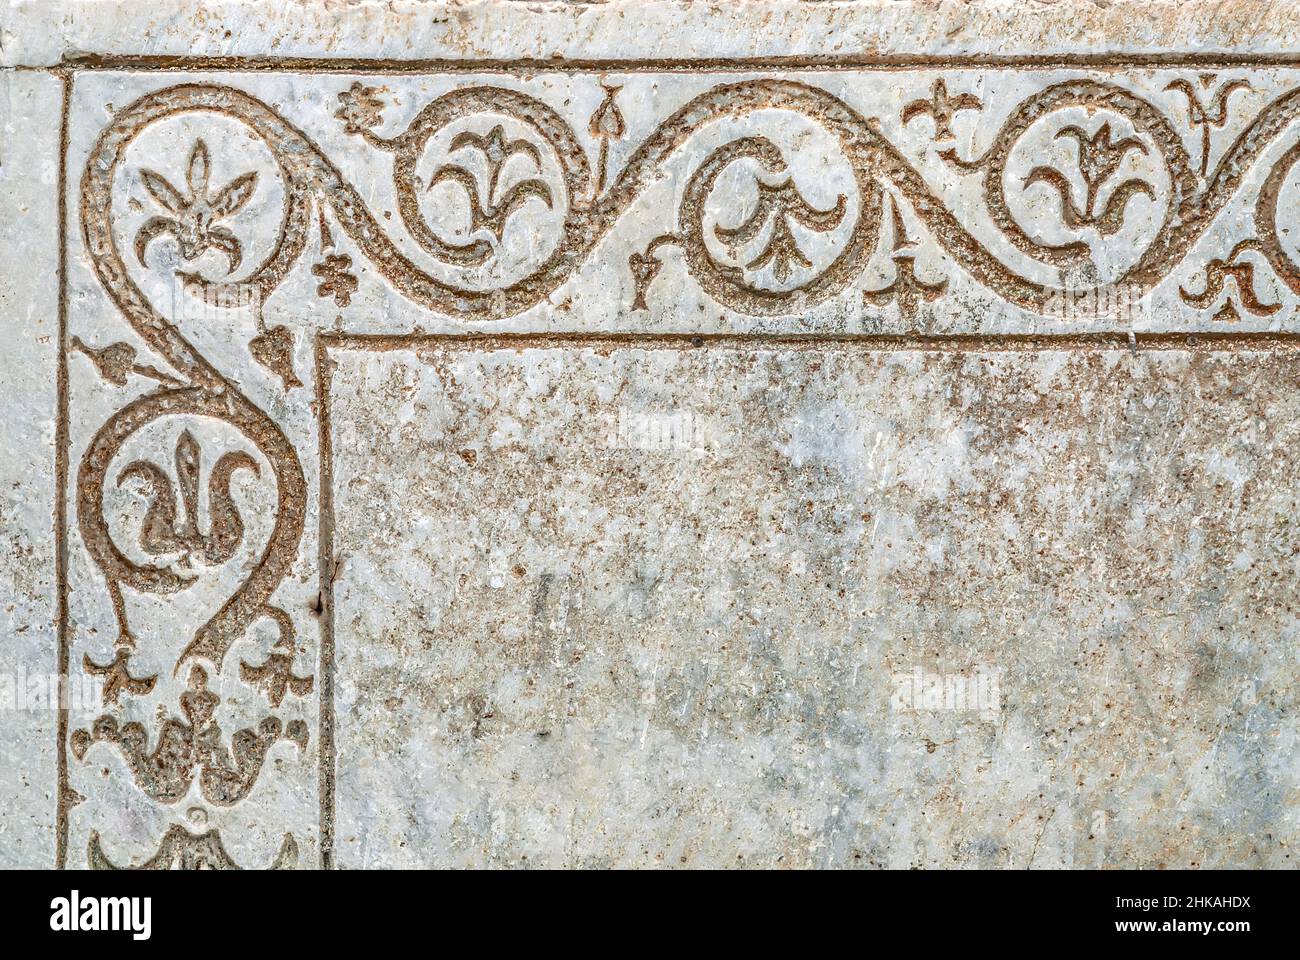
198	218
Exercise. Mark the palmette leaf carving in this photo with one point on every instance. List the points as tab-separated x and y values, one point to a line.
196	214
1205	116
778	206
192	748
1099	159
1242	273
491	208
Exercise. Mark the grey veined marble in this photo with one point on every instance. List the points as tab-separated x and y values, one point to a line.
649	435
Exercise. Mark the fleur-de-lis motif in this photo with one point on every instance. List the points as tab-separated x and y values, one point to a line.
195	214
1099	158
941	108
1207	117
778	205
163	531
606	124
908	290
486	210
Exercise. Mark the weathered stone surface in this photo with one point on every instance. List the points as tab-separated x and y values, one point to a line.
647	434
29	305
565	636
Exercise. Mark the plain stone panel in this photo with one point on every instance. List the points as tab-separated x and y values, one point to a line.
628	606
30	106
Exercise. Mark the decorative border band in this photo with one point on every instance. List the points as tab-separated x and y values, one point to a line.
757	267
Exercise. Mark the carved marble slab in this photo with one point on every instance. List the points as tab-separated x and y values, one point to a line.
650	435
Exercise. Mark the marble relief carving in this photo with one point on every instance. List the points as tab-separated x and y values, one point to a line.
229	238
